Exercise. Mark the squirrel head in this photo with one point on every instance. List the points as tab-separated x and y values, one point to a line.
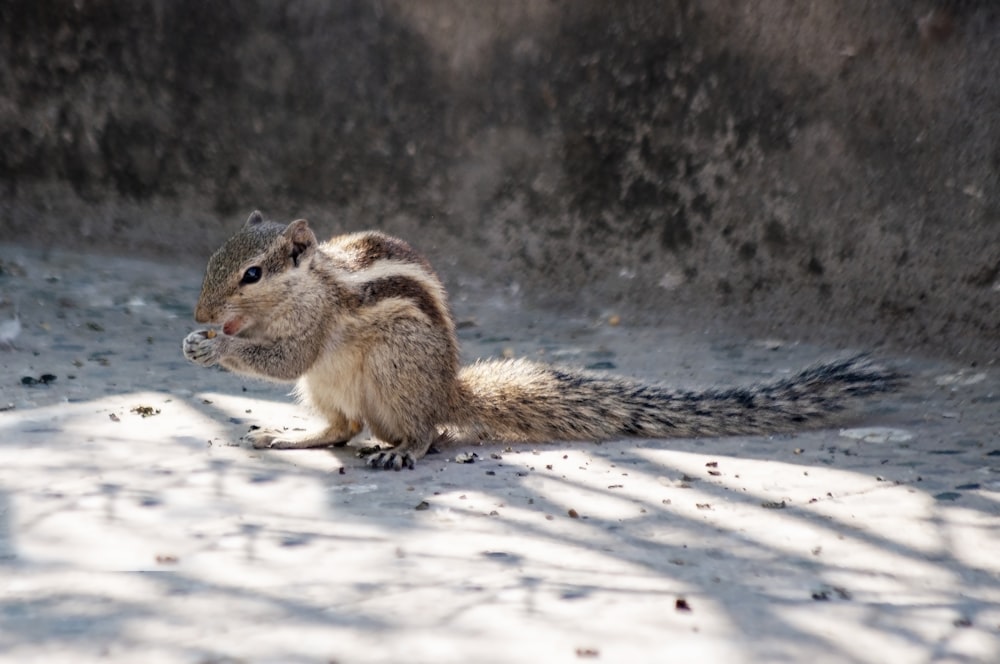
249	275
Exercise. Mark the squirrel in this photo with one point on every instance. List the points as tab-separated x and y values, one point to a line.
362	324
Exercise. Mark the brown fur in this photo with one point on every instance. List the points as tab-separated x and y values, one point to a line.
362	324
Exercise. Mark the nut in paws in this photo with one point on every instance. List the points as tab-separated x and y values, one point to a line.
201	349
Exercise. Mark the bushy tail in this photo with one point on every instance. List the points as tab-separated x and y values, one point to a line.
522	400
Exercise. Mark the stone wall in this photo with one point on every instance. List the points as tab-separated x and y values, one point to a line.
818	169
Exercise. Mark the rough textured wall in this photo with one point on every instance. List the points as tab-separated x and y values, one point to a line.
820	168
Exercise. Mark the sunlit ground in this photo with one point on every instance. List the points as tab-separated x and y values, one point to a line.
166	539
275	555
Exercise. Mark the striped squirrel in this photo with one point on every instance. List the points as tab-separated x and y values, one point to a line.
362	324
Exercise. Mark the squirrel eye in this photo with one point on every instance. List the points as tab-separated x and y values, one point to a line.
252	275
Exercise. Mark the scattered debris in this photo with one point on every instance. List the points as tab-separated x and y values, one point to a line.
145	411
825	593
587	652
114	417
774	505
44	379
166	559
422	505
466	457
573	514
101	357
682	605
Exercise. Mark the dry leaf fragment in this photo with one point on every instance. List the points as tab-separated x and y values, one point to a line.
145	411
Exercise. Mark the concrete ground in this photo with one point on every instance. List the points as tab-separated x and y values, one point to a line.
136	526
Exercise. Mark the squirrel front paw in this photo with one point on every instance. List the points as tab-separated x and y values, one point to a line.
202	347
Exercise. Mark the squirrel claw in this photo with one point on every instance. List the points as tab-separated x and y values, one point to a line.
261	439
200	348
272	439
391	460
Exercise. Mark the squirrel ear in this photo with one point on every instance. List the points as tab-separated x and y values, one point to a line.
302	238
255	218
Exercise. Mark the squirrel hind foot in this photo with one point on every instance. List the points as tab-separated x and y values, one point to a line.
404	454
391	460
280	440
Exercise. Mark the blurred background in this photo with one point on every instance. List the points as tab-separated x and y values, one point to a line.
818	170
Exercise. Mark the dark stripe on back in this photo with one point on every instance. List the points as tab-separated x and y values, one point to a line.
331	283
405	288
373	247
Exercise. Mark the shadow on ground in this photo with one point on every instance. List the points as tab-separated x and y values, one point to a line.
871	543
